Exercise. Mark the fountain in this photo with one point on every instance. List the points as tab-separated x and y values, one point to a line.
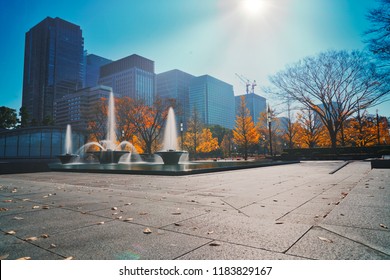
123	157
170	153
68	157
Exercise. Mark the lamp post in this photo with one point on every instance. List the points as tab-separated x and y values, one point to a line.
377	127
181	135
269	129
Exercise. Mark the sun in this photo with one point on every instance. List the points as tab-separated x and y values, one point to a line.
253	7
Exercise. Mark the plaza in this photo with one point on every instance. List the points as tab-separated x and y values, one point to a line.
326	210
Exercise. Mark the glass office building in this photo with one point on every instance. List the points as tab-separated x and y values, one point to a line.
132	76
255	103
175	84
92	73
214	101
37	142
53	65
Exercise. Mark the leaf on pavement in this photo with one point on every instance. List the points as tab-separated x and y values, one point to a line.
383	226
325	239
3	257
11	232
24	258
32	238
128	219
147	231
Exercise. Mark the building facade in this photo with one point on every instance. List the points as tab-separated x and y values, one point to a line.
53	66
77	109
256	105
92	66
132	76
214	101
175	84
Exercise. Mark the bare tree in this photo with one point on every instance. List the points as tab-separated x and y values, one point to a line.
378	36
332	84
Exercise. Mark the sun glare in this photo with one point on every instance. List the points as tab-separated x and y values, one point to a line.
253	7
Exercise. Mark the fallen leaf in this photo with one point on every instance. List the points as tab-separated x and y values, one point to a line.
24	258
176	213
11	232
143	213
3	257
147	231
17	218
128	203
68	258
325	239
8	200
128	219
45	235
119	217
100	223
35	207
383	226
25	199
52	246
215	244
279	223
45	207
114	208
14	191
210	232
177	224
32	238
3	209
275	200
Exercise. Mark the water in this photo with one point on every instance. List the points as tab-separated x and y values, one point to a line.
170	132
68	140
111	124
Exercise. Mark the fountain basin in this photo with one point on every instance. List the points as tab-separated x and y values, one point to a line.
108	156
67	158
171	157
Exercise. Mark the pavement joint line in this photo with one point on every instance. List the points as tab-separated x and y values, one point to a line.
340	167
194	249
36	245
296	241
350	239
239	211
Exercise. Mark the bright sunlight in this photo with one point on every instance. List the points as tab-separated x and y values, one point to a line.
253	7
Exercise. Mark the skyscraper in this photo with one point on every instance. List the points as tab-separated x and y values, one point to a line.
175	84
53	66
92	73
132	76
214	101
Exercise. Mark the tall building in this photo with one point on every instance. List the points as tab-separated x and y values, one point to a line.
92	65
53	66
256	104
214	101
132	76
175	84
77	109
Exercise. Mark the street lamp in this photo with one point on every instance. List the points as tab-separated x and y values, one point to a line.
269	129
181	135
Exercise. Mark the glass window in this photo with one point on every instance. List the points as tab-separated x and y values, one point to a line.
11	146
2	146
24	145
56	144
46	144
35	144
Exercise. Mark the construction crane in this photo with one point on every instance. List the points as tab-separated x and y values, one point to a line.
247	83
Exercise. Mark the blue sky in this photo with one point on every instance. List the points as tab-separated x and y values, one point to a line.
216	37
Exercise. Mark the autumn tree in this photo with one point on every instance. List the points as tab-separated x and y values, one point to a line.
193	133
245	134
208	143
97	125
332	84
310	130
226	145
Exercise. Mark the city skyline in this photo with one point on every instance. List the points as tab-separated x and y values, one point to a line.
219	38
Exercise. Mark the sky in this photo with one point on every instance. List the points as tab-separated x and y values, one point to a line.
221	38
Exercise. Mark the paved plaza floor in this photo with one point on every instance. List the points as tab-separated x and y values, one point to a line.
296	211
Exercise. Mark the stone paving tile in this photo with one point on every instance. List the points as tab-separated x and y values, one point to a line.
228	251
118	240
322	244
239	229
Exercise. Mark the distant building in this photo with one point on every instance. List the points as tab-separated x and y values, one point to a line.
53	66
214	101
132	76
175	84
256	104
92	73
77	108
